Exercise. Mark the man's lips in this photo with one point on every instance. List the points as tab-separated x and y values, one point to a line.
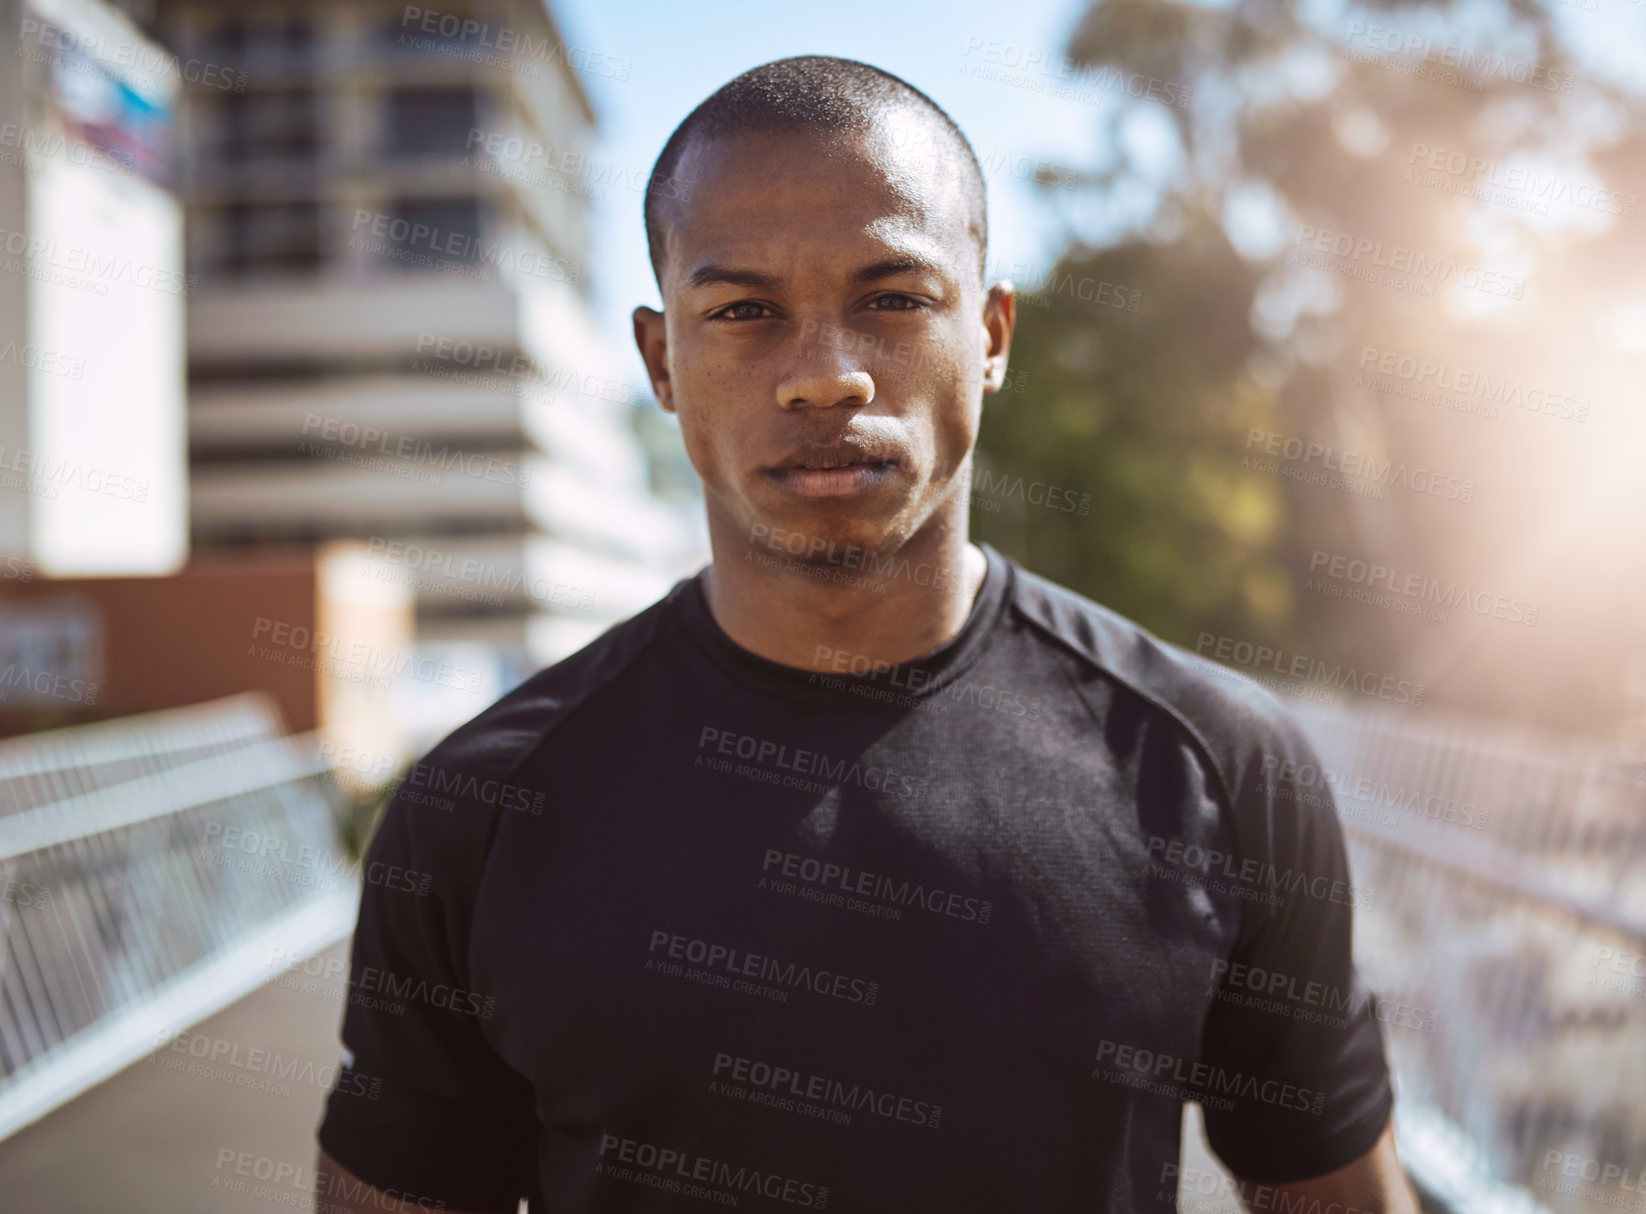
824	457
822	465
831	474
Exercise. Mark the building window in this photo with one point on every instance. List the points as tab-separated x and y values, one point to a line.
297	34
231	35
269	124
431	121
261	240
283	40
430	234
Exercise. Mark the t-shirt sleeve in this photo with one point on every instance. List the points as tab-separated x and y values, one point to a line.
423	1105
1297	1083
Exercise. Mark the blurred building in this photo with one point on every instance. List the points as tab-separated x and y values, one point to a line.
92	441
322	632
390	338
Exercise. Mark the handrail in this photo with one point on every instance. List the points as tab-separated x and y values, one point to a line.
249	769
119	913
248	715
1502	866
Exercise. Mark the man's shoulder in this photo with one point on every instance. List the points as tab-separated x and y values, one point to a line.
448	808
507	733
1233	721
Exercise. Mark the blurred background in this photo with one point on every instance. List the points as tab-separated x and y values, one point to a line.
321	427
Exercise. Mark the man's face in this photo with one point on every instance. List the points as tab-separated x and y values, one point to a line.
828	339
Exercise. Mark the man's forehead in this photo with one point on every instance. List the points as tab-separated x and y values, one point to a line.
872	192
864	255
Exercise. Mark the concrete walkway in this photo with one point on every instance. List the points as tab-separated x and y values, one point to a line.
158	1139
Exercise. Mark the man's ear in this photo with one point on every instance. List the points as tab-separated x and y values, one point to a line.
651	336
999	319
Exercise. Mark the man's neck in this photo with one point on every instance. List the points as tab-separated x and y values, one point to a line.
866	611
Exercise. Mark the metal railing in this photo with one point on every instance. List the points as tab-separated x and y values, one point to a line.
1506	939
130	904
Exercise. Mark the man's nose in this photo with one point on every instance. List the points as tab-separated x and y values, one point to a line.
827	371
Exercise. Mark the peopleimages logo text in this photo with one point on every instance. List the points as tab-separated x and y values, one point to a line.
79	259
736	961
1317	670
1490	64
1422	268
520	44
1421	587
1032	61
1525	179
853	556
850	880
1256	874
471	789
801	1086
677	1167
1298	780
1208	1077
1269	990
809	762
1463	382
1360	464
144	59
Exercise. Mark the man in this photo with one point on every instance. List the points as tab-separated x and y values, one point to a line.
866	871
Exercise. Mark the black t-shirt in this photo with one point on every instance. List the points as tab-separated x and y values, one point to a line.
673	926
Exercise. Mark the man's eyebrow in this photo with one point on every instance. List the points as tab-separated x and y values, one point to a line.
712	273
904	263
705	275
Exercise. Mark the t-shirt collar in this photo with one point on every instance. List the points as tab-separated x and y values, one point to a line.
904	685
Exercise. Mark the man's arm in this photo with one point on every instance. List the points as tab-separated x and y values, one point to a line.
1373	1184
423	1107
339	1191
1297	1091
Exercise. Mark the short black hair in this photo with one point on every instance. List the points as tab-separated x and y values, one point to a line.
813	94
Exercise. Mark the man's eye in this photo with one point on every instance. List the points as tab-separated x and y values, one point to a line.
736	311
906	303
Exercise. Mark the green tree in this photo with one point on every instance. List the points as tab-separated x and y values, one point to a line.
1306	129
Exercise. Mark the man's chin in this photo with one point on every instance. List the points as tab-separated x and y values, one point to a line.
813	540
